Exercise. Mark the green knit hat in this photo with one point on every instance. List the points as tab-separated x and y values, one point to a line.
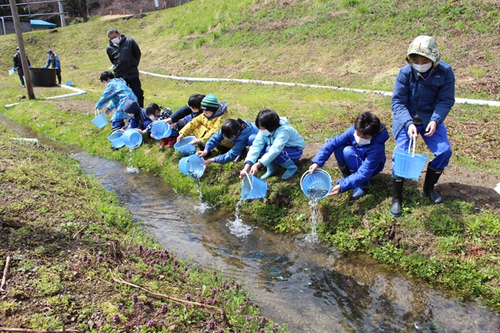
210	103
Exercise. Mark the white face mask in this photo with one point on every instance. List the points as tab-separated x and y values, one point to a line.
265	132
228	140
422	68
361	141
116	40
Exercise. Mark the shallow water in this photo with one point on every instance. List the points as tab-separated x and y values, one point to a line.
309	286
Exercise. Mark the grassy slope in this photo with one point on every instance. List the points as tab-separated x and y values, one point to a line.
348	43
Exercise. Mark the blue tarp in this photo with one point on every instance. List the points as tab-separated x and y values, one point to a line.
42	23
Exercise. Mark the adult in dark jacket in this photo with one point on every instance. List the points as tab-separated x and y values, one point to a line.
423	95
18	66
125	55
53	61
360	154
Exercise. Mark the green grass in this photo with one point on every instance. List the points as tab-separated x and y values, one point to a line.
353	43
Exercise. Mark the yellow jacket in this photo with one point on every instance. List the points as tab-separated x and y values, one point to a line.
203	128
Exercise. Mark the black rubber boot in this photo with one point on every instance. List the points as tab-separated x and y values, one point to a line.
397	197
431	178
344	169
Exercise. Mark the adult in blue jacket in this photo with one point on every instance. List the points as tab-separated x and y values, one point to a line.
240	132
360	154
53	62
423	95
276	143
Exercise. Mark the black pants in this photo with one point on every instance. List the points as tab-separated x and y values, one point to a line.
135	84
58	73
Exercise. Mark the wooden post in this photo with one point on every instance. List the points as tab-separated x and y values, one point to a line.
124	12
164	5
20	43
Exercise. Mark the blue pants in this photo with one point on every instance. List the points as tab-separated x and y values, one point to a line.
437	143
134	124
117	124
21	74
287	153
349	156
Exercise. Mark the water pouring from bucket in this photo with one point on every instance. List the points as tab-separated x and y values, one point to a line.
317	185
253	187
192	166
132	138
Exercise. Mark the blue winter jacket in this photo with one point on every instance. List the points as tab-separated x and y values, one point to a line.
239	143
283	136
372	155
116	93
430	98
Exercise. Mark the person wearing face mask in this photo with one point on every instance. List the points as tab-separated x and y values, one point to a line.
239	132
115	95
125	55
360	154
156	112
276	143
423	95
207	124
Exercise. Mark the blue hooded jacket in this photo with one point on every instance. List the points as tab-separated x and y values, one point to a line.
239	143
284	136
372	155
116	93
431	98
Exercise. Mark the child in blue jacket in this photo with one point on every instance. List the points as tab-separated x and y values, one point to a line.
276	143
240	132
360	154
423	95
116	93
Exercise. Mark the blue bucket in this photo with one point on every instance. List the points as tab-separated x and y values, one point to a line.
117	139
132	138
253	188
184	146
317	185
160	130
69	83
100	121
192	166
408	165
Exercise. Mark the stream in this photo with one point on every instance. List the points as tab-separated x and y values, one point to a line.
310	286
